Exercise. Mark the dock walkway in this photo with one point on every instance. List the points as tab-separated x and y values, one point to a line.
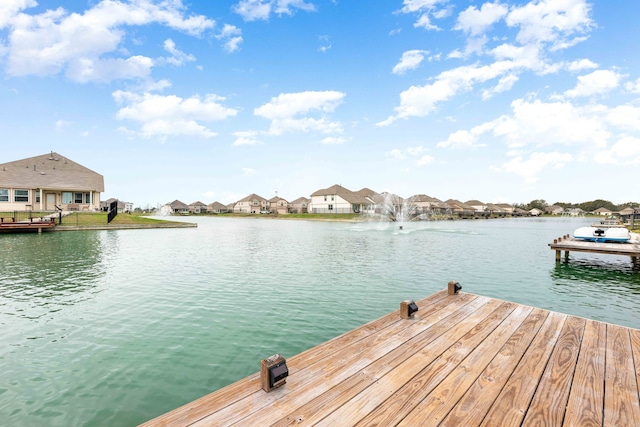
570	244
462	360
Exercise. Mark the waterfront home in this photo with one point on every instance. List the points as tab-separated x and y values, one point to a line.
459	208
337	199
602	211
506	207
178	207
477	206
121	206
554	210
197	207
425	204
217	208
535	212
49	182
299	205
278	205
253	204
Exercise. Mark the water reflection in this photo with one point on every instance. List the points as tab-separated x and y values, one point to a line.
48	271
616	275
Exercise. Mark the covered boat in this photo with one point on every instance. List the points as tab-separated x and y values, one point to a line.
602	234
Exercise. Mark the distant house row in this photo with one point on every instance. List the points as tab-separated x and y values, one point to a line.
340	200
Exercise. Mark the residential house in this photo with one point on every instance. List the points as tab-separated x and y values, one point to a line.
278	205
217	208
535	212
121	206
477	206
602	211
459	208
369	207
337	199
197	207
251	204
178	207
49	182
506	207
554	210
299	205
425	204
496	210
573	212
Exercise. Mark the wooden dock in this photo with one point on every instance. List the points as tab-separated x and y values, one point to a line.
570	244
462	360
35	224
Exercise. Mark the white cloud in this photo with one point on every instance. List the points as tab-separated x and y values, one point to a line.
581	64
425	9
253	10
504	84
248	171
57	41
246	138
61	124
286	109
163	116
475	22
625	151
410	60
596	83
231	36
396	154
633	87
550	21
178	57
529	168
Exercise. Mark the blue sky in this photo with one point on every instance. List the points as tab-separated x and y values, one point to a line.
504	101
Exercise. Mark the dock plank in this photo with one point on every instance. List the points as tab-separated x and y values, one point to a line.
621	406
586	399
463	359
549	402
511	405
472	408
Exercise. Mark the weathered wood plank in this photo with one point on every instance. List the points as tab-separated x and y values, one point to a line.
472	408
305	382
549	403
513	401
455	343
635	344
436	403
586	399
621	406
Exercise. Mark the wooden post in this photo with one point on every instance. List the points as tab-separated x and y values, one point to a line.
273	372
453	288
407	309
558	257
566	255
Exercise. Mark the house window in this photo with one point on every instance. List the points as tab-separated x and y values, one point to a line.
21	195
77	197
38	196
66	197
325	197
87	198
330	207
332	198
4	195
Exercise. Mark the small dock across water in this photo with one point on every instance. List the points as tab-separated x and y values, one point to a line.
570	244
35	224
461	360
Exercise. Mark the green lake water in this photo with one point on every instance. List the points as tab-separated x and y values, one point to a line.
112	328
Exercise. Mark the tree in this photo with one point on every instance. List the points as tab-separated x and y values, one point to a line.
538	203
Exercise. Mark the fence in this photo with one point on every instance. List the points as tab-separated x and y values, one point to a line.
30	216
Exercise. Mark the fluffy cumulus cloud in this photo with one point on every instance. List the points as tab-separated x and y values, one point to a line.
540	27
410	60
529	167
164	116
425	10
302	112
419	155
89	46
596	83
625	151
253	10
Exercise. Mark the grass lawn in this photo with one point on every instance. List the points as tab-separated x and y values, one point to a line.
100	218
